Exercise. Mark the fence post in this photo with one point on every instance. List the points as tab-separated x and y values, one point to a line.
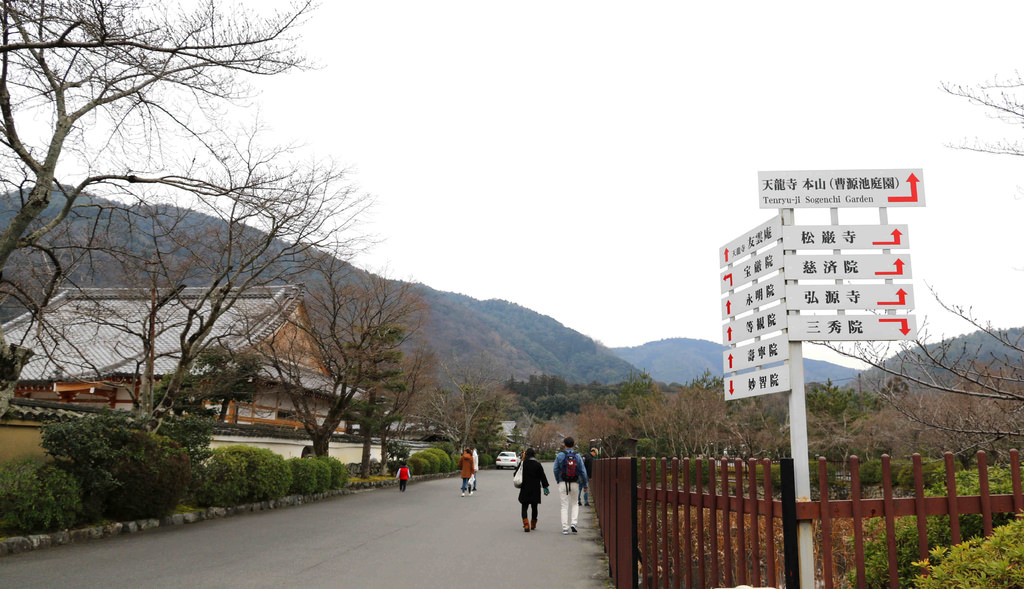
790	543
634	538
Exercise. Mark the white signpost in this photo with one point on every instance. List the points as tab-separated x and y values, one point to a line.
775	298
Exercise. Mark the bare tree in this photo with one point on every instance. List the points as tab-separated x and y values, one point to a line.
99	95
477	391
347	350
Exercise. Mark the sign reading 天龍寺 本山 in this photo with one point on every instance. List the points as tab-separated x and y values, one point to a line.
840	188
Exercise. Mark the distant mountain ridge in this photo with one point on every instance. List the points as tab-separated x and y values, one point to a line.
680	360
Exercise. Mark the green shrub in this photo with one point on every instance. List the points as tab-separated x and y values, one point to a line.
309	476
444	462
37	497
995	562
418	464
486	460
448	447
88	448
433	462
152	477
242	474
339	474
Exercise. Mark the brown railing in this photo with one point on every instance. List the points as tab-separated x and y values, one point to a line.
717	523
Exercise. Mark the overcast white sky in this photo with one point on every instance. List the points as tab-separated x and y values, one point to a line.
587	159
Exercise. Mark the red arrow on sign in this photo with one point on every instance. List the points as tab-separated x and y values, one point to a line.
729	331
902	294
899	269
896	235
726	255
731	389
728	307
729	278
913	191
904	329
730	360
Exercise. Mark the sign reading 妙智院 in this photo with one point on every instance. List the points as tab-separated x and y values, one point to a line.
840	189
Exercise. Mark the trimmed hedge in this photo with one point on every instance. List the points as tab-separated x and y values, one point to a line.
153	475
37	497
242	474
418	464
309	476
339	474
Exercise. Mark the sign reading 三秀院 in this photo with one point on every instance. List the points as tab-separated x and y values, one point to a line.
840	189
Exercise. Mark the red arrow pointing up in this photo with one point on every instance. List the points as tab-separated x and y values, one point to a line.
904	328
730	360
726	255
728	307
902	294
912	179
896	235
899	269
729	331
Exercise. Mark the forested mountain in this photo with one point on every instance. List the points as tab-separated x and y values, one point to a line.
680	360
518	341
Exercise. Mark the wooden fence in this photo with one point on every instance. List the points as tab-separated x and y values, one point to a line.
720	523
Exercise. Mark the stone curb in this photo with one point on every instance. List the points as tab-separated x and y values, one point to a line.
19	544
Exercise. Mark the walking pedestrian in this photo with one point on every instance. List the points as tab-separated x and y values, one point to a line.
466	466
588	464
570	476
476	468
403	477
529	492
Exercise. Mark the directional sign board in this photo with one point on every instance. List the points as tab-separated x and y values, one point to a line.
761	236
853	237
840	297
847	267
754	325
756	354
757	295
841	188
852	327
758	382
752	268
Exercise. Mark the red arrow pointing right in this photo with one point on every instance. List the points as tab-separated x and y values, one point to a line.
896	234
912	179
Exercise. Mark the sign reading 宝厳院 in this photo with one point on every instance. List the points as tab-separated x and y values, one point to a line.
840	188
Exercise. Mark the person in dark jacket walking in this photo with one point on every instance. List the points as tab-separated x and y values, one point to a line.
529	492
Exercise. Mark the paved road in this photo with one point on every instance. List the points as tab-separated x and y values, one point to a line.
427	537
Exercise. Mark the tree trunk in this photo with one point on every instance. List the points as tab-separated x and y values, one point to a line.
367	442
321	442
12	359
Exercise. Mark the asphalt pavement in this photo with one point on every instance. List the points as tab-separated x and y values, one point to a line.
427	537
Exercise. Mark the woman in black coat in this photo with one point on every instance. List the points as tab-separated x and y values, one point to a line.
529	492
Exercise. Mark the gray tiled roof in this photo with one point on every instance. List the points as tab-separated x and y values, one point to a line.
94	333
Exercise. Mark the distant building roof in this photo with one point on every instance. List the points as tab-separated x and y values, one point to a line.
98	332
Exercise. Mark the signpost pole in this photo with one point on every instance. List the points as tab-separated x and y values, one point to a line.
799	448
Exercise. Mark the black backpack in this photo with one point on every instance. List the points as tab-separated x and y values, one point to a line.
569	467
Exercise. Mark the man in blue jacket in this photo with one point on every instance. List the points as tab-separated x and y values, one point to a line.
570	477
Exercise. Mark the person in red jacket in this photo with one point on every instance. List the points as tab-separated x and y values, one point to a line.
403	477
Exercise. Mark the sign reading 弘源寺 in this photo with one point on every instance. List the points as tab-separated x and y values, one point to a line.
840	188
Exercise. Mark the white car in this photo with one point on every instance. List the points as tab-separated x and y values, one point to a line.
506	460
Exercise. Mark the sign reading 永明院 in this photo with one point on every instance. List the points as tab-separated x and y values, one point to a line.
840	188
758	295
